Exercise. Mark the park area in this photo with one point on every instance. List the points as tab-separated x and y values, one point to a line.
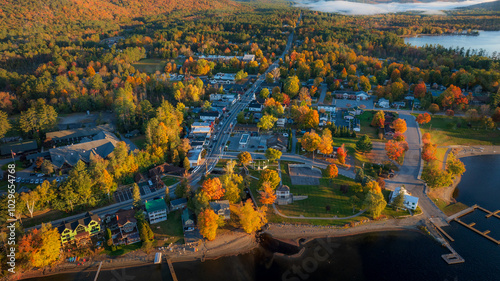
446	130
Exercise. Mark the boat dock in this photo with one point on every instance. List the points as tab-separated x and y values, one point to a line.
172	271
462	213
456	217
453	257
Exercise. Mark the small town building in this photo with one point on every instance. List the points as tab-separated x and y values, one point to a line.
281	122
123	226
248	58
360	96
19	147
187	219
195	157
178	204
156	210
410	202
210	116
245	128
221	208
255	106
278	142
80	230
327	108
283	195
384	103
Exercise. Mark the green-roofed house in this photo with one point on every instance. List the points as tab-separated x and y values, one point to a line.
156	210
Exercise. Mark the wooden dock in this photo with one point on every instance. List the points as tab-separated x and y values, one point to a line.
471	225
462	213
484	234
453	257
490	214
172	271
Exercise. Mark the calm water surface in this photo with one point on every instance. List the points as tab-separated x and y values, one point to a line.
387	256
487	40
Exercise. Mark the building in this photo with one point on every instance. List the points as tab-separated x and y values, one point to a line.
210	116
78	134
383	103
255	106
248	58
202	128
245	128
187	219
221	208
281	122
166	169
102	144
410	202
225	76
244	140
123	226
194	157
18	147
361	96
178	204
399	104
278	142
283	195
80	230
156	210
327	108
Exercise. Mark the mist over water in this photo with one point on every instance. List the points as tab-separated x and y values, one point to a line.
353	8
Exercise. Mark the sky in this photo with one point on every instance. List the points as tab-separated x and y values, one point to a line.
352	8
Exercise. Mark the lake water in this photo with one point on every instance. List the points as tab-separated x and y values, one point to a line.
487	40
388	256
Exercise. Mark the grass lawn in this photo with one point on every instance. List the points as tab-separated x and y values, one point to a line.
365	119
150	65
140	141
19	166
123	249
449	209
169	231
43	216
446	130
169	180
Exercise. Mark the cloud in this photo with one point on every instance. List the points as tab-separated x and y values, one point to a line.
355	8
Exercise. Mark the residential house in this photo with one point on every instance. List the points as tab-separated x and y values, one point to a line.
281	122
245	128
327	108
210	116
278	142
384	103
221	208
255	106
399	104
156	210
178	204
194	156
80	230
78	134
123	226
360	96
248	58
283	195
165	169
410	202
187	219
225	76
324	118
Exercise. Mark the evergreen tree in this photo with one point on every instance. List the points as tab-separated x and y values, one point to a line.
136	196
364	144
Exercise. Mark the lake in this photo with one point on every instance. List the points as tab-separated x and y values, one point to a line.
388	256
487	40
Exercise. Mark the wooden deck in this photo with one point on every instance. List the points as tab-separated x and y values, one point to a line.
172	271
484	234
462	213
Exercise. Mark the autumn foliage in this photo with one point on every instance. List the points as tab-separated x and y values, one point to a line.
423	118
429	152
341	154
213	188
399	125
394	149
250	219
208	223
267	194
378	119
332	171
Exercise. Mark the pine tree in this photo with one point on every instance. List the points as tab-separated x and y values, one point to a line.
136	195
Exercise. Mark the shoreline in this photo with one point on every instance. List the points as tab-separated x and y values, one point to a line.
235	244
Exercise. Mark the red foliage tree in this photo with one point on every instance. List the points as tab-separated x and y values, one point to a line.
213	188
394	149
429	152
420	90
341	154
423	118
399	125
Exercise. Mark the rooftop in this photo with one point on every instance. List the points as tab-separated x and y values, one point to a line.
155	205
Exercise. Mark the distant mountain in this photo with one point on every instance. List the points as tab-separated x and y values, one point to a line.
491	6
34	12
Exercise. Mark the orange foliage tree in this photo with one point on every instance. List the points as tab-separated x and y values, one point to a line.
426	138
213	188
251	219
399	137
399	125
423	118
394	149
378	119
429	152
332	171
208	222
341	154
267	194
420	90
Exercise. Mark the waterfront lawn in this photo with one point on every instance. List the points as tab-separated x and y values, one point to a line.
123	249
169	231
449	209
446	130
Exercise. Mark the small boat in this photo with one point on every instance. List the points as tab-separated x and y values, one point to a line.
158	258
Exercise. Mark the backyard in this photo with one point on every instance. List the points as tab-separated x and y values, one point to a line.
169	231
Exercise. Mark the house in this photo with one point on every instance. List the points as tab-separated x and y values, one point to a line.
80	230
201	128
165	169
278	142
399	104
410	202
156	210
283	195
388	131
210	116
187	219
248	58
101	144
384	103
76	135
132	133
281	122
255	106
194	156
18	147
178	204
221	208
225	76
327	108
361	96
123	226
323	119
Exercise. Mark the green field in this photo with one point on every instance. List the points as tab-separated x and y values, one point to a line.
169	180
169	231
150	65
446	130
139	141
365	119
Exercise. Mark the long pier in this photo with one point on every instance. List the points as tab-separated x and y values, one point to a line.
172	271
462	213
453	257
456	217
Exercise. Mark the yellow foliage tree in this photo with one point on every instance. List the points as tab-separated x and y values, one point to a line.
208	223
250	219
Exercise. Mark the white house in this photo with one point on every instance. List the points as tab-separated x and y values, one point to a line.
383	103
327	108
248	58
361	96
209	116
225	76
156	210
410	202
281	122
283	195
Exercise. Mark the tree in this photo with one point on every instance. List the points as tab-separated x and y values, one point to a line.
399	137
232	183
264	93
435	177
244	158
182	190
423	118
267	122
374	203
270	176
136	196
325	145
273	154
267	194
30	199
394	149
454	166
332	171
364	144
433	108
426	138
213	188
47	167
208	224
109	237
39	117
250	219
399	125
378	119
46	193
429	152
420	90
240	75
398	202
496	115
310	141
4	124
292	86
186	164
41	246
341	154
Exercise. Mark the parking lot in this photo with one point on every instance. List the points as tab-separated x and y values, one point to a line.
126	193
254	143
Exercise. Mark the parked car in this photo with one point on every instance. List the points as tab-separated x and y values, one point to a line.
32	180
18	179
37	181
40	175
